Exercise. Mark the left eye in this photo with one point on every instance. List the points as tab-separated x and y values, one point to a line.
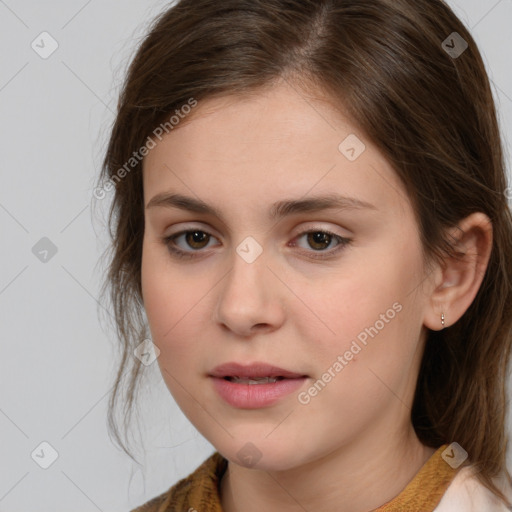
197	239
319	240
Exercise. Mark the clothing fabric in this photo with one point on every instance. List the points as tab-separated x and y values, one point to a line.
466	493
437	487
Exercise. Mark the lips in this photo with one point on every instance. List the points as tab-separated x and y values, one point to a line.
254	372
256	385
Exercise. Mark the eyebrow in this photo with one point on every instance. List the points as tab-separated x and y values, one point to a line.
278	210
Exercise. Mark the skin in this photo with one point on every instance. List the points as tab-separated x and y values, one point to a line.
353	443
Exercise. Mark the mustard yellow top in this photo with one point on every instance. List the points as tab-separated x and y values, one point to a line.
200	490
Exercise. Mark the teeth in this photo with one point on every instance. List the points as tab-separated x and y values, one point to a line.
254	380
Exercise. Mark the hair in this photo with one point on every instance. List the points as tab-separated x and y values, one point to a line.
432	115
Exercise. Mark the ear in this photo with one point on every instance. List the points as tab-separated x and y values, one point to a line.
458	279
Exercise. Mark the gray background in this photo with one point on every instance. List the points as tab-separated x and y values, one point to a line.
57	360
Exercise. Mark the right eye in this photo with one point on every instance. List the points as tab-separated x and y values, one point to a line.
194	238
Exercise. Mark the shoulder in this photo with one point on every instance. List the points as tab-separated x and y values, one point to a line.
467	494
200	488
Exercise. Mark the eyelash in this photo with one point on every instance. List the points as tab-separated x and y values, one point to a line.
168	241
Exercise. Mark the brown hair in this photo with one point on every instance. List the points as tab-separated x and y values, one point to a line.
430	113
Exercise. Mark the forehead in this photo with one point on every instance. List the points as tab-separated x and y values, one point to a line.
279	142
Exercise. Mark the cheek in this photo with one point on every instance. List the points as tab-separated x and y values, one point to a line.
175	303
376	320
163	309
158	302
371	315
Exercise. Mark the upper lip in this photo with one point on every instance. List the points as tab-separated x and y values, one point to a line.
252	370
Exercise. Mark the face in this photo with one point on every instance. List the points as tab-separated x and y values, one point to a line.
329	296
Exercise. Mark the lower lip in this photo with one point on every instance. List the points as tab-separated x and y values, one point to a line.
254	396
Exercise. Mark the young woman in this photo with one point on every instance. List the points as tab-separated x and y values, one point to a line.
310	209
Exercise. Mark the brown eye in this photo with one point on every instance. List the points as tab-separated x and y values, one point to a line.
319	239
196	239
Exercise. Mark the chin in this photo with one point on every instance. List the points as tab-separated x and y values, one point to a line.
264	455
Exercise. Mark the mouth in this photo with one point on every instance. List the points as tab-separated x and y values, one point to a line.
254	380
256	385
255	373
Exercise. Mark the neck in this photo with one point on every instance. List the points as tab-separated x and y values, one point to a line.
362	476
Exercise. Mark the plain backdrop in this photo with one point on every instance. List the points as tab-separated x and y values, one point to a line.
57	361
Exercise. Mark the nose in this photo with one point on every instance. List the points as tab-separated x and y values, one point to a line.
250	298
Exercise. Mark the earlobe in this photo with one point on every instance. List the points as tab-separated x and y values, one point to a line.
461	274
